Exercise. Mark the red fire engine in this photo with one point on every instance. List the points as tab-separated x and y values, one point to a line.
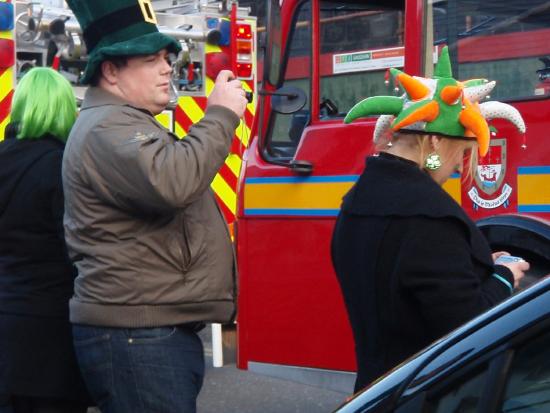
321	57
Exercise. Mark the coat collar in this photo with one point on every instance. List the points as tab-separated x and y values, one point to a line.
393	186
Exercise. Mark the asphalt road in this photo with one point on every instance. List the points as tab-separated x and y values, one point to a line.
230	390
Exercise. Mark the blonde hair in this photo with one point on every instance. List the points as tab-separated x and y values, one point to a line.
420	144
414	141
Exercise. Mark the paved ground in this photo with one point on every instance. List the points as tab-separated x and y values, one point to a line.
230	390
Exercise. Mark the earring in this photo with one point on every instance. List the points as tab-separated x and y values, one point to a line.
433	162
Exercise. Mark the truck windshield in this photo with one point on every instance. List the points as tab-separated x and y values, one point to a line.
359	42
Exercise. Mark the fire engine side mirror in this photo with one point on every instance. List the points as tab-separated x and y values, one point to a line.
286	100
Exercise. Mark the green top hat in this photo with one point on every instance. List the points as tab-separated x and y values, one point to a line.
118	28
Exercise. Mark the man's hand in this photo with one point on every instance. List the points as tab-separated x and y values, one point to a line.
228	92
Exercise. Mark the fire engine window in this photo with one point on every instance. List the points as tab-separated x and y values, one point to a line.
286	130
506	41
359	43
274	30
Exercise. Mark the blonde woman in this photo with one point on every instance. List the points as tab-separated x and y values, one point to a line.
411	264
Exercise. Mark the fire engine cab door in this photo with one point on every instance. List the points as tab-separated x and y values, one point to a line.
291	311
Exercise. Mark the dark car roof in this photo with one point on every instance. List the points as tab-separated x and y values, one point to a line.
488	330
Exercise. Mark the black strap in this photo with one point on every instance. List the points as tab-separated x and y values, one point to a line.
111	23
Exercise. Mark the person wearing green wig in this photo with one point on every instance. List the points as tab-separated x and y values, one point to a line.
43	105
38	367
411	264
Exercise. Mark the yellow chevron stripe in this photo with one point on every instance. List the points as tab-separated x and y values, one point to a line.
225	192
3	125
234	162
252	105
211	48
209	86
179	131
243	133
165	119
191	109
6	83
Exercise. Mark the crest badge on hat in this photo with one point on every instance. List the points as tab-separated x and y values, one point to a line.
441	105
118	28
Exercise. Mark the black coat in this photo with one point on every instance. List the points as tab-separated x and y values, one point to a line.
36	278
411	264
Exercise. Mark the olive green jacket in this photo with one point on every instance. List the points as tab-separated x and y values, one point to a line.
141	222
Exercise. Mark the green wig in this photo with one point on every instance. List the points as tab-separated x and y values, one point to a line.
43	103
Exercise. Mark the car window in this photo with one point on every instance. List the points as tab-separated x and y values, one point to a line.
462	395
528	385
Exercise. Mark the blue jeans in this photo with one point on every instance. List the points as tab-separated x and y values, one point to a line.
141	370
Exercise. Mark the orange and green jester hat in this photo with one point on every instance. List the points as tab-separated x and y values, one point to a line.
441	105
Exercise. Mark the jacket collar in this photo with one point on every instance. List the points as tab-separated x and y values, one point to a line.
96	96
400	188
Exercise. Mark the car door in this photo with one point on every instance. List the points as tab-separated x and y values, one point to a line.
502	367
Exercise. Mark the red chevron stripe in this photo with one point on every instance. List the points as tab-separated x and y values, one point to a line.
237	147
248	118
250	84
182	119
229	177
201	102
5	106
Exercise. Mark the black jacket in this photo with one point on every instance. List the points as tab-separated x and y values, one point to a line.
36	279
411	264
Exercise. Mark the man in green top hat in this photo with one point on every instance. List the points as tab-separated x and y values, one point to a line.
153	252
